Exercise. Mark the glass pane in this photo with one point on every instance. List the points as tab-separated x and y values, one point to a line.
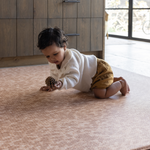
141	3
141	24
117	3
118	22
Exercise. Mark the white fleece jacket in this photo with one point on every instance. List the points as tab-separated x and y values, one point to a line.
76	70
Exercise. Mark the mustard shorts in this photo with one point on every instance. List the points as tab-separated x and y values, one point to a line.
103	77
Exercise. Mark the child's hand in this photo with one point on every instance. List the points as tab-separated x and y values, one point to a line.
45	88
56	86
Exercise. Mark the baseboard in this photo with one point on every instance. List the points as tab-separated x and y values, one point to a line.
33	60
22	61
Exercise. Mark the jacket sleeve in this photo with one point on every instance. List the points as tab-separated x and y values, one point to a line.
70	77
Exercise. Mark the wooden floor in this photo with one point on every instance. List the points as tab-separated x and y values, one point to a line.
128	55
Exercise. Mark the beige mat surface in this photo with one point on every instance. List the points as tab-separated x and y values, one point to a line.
68	119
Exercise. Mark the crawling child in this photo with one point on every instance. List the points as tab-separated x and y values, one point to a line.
71	69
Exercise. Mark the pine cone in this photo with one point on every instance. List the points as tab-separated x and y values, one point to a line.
50	81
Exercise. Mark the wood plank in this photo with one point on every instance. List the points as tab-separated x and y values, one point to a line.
84	8
69	27
55	22
97	9
84	40
96	34
7	37
24	8
39	25
24	37
40	9
70	10
54	8
7	8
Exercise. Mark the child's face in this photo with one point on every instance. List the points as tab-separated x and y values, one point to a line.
54	54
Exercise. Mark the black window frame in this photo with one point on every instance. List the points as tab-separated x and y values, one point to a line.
130	19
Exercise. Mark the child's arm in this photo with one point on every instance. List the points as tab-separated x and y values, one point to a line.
70	77
68	81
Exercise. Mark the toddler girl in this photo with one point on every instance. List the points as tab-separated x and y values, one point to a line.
72	69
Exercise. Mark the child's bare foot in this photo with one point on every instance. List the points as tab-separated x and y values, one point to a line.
128	88
117	78
125	87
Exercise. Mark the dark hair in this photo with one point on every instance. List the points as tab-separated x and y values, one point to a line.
49	36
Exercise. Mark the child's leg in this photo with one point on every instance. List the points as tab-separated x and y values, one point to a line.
120	78
120	85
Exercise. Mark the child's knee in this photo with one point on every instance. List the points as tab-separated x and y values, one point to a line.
100	93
